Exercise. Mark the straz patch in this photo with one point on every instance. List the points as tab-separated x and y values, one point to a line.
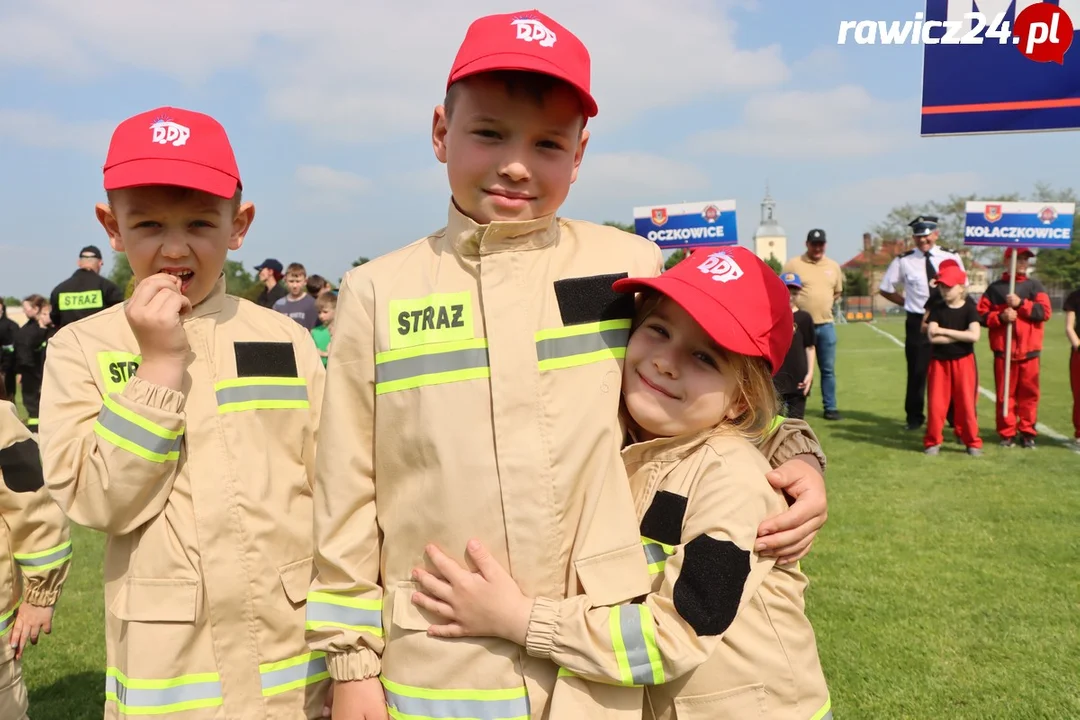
437	318
117	368
86	300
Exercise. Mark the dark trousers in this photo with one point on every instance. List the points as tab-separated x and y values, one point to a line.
794	405
917	352
31	398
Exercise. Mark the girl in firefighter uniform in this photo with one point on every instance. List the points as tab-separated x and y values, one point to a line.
36	550
723	634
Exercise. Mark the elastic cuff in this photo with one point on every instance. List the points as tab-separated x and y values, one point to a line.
41	596
355	665
540	637
146	393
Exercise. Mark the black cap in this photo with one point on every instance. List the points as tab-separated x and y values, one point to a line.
272	264
90	251
816	236
923	225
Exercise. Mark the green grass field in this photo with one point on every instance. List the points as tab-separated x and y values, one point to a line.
942	587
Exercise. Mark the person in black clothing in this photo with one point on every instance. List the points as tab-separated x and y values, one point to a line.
85	292
8	328
30	342
271	273
797	373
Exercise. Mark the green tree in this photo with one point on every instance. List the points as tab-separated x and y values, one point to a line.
238	281
855	284
360	261
676	257
774	264
12	302
121	270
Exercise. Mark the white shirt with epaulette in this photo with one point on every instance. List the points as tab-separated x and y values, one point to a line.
909	270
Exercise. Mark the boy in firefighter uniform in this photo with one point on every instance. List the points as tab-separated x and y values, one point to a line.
723	634
182	424
34	536
1027	310
473	389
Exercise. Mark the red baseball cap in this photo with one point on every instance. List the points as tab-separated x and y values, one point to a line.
529	41
171	146
950	273
734	296
1020	252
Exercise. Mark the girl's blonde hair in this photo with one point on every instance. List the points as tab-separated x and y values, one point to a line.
755	393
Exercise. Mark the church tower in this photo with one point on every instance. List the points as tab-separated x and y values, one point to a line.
770	238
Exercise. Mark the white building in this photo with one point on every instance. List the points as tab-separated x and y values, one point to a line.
770	238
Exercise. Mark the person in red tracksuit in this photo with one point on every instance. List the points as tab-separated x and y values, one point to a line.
1027	310
953	327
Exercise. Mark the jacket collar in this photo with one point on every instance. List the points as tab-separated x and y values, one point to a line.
213	303
470	238
669	449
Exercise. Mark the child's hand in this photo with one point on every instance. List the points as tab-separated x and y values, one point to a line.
357	700
788	536
30	622
932	328
154	313
807	382
487	603
1008	315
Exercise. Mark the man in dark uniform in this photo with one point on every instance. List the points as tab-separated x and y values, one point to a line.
915	270
7	352
85	292
270	272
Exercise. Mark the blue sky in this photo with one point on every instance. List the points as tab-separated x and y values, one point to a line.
328	104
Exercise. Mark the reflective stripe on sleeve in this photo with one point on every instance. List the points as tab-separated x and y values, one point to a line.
576	345
413	703
160	697
7	620
261	393
139	436
633	637
825	713
357	614
46	559
437	364
656	554
297	672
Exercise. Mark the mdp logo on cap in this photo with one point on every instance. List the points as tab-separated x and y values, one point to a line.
722	267
531	29
167	131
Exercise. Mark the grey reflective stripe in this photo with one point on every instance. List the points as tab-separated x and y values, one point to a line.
458	708
133	433
827	716
654	553
274	678
45	559
637	657
581	344
7	622
247	393
433	363
351	616
159	697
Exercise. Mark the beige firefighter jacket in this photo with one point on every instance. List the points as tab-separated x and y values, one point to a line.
723	634
205	496
473	391
35	543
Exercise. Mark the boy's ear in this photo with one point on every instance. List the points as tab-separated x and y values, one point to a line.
245	215
579	154
108	221
439	128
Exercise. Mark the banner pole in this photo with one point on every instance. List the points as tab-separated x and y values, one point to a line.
1008	337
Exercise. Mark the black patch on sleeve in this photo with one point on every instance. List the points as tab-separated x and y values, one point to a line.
663	520
21	465
711	584
591	299
265	359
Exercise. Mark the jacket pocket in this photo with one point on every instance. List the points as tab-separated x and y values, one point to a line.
296	579
614	577
156	600
405	614
738	703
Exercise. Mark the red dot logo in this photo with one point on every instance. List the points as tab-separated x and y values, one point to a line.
1043	33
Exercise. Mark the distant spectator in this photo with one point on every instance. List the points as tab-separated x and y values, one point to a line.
796	375
1072	332
8	328
85	292
30	342
297	304
270	275
317	285
324	331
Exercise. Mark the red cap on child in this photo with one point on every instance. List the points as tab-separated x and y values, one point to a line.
170	146
734	296
950	273
529	41
1020	252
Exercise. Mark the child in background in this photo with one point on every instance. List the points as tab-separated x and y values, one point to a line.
317	285
324	331
1072	332
797	373
953	378
298	304
722	634
31	341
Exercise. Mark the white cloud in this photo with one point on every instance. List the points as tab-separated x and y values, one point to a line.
326	187
351	71
845	121
40	129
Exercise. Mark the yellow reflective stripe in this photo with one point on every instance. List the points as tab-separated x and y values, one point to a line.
331	610
139	436
46	559
825	713
633	637
31	421
563	672
162	696
776	423
147	425
7	620
261	393
438	364
296	672
405	702
583	329
575	345
656	554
